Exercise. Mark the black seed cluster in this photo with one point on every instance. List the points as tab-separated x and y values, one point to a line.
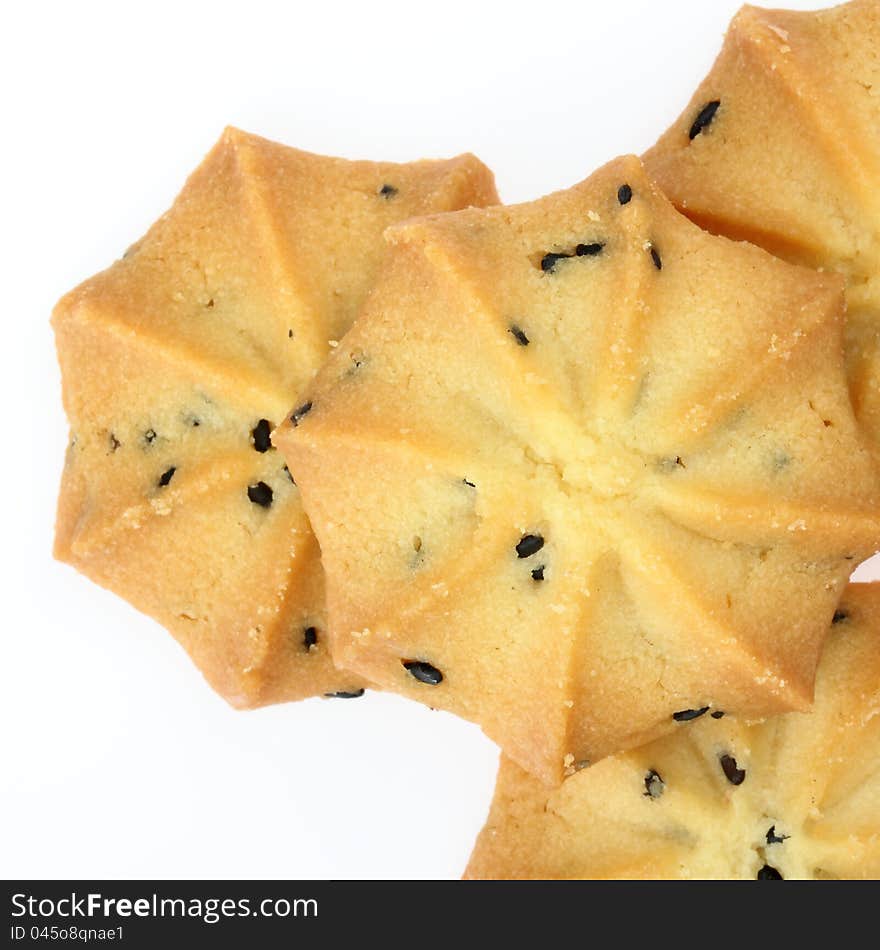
260	435
303	410
423	672
166	476
704	118
310	636
654	784
551	259
768	873
686	715
624	194
528	545
346	694
734	774
518	335
538	573
260	494
388	191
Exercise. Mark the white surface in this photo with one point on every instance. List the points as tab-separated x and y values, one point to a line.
116	760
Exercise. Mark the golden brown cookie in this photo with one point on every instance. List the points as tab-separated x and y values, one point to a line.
177	363
797	796
579	466
780	145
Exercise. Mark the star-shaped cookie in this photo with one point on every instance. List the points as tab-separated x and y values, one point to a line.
178	362
580	466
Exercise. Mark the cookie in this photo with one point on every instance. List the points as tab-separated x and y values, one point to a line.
579	466
780	146
796	796
178	362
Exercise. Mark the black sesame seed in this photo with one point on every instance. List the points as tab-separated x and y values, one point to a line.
686	715
114	443
519	335
768	873
538	573
260	494
469	483
529	544
345	694
195	423
210	304
773	838
310	636
260	435
549	262
423	672
166	476
840	616
290	334
735	775
654	785
150	436
287	471
589	250
704	118
387	191
303	410
624	194
718	714
655	257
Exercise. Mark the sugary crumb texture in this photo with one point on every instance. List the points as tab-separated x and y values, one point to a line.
579	466
178	362
797	796
791	158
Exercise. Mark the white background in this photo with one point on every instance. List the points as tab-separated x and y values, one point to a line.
116	759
